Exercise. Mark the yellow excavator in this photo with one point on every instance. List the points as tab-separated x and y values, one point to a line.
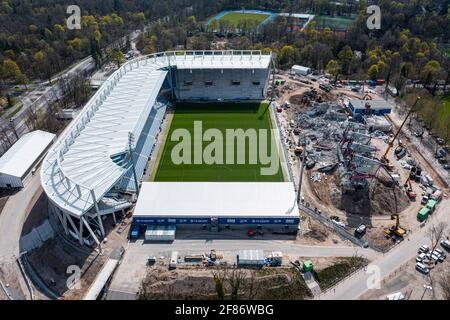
395	230
384	158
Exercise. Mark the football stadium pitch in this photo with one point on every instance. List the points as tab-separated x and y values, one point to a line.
221	116
236	17
334	23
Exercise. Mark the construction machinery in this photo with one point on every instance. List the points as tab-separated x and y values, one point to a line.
384	158
409	190
395	230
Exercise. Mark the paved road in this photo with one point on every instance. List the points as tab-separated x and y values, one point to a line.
13	216
355	286
132	270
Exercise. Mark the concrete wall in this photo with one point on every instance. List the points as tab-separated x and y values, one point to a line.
225	84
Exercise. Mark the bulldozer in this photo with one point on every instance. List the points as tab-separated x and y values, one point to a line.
395	230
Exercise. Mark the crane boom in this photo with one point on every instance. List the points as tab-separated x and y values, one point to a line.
391	143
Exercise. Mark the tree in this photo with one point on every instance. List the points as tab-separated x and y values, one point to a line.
333	68
252	286
430	71
373	71
11	71
213	26
116	56
435	233
345	57
219	276
235	280
287	55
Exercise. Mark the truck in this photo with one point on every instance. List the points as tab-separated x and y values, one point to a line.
275	259
431	204
422	215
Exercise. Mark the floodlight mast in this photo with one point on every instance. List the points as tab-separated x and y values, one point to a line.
130	153
302	170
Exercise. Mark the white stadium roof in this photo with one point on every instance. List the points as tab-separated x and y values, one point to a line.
261	199
78	170
25	152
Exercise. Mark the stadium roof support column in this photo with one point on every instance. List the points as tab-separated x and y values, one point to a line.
92	233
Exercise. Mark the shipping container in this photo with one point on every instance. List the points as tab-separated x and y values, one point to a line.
251	258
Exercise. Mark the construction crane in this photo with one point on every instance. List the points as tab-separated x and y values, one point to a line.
396	230
384	158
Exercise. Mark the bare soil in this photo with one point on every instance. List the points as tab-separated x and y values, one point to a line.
58	256
196	283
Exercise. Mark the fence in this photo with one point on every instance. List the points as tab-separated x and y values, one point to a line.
339	230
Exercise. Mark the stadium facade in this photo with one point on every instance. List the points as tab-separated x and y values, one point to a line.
94	168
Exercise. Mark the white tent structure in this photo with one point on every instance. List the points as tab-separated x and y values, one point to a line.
17	164
107	146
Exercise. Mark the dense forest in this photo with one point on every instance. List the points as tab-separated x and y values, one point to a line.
412	44
35	43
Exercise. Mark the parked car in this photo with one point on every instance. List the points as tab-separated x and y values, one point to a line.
424	249
421	257
338	223
151	260
422	268
441	254
432	256
424	200
360	230
445	244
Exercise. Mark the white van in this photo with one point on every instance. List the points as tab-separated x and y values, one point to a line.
422	268
173	260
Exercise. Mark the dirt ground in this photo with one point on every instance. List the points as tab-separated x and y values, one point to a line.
37	215
8	275
195	283
58	256
372	206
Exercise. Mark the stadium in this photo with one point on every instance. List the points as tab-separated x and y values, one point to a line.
116	154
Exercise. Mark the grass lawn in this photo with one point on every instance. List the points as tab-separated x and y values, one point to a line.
343	267
334	23
236	17
221	116
444	116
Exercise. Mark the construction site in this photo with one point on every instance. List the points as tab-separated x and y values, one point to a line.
356	170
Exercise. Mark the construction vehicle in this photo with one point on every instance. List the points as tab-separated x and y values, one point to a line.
409	190
213	255
395	230
384	158
298	150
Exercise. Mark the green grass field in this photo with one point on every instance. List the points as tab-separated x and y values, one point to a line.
221	116
236	17
445	48
444	116
334	23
